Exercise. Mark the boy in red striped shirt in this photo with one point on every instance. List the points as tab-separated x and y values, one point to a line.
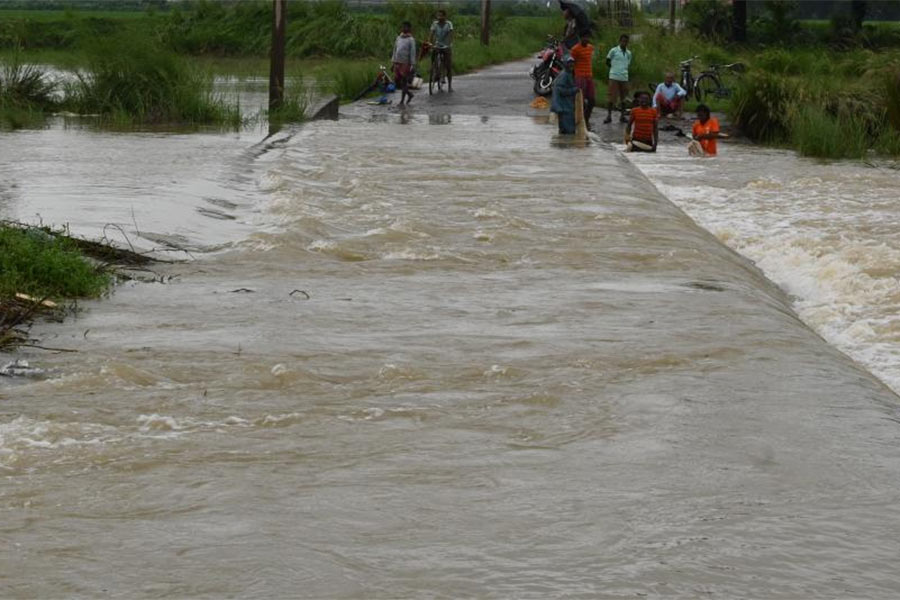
642	131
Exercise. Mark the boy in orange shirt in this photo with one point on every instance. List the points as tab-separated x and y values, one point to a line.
706	130
642	131
583	53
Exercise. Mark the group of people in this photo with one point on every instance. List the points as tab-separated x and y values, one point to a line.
403	59
642	123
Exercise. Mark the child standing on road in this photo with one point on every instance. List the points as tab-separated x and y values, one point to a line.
618	60
583	53
706	130
404	60
642	132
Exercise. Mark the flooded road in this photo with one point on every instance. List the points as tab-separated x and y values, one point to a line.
433	354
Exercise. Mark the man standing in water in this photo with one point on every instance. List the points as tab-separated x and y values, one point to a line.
583	53
618	60
404	60
442	38
563	99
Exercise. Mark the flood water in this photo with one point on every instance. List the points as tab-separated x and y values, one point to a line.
443	356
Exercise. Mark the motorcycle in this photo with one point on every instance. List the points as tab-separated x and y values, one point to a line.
549	67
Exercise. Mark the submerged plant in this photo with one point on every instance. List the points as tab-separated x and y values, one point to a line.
137	78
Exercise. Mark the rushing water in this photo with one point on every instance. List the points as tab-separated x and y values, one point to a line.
826	233
427	356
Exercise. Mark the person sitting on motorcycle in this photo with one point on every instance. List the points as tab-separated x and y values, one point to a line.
563	99
442	39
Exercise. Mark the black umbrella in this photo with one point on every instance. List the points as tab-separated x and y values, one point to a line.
582	20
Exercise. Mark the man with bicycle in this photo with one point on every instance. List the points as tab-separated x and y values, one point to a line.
442	39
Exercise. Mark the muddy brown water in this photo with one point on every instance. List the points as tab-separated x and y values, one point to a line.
466	359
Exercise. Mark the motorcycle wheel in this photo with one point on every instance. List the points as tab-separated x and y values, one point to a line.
543	84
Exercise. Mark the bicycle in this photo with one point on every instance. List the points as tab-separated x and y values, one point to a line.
439	70
709	84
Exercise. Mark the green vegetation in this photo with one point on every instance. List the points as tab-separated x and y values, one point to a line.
25	93
135	80
807	82
823	103
43	266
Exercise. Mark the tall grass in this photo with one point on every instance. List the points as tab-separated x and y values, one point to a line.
817	133
25	93
137	80
34	263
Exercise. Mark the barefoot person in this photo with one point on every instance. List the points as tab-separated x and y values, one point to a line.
669	97
706	131
642	131
404	60
442	38
583	53
618	60
563	99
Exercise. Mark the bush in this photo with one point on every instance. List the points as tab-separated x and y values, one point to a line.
818	133
764	106
711	19
136	78
35	263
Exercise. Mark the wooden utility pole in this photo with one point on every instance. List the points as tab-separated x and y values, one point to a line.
276	64
485	22
672	15
739	29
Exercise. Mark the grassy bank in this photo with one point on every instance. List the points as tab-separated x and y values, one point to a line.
35	267
40	265
822	103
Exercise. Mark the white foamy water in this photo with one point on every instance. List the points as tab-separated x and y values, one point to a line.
826	233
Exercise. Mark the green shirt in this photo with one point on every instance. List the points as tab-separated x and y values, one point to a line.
618	63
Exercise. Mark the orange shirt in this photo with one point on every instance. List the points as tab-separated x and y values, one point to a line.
643	123
711	125
582	56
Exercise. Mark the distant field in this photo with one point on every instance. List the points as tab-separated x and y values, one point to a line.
58	15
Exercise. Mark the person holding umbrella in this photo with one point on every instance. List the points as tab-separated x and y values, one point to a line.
578	23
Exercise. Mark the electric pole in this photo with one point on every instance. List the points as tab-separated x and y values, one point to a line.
276	64
485	22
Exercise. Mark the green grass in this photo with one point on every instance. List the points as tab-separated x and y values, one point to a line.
135	79
35	263
817	133
26	93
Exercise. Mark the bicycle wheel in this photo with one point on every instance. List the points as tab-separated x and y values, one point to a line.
433	74
706	87
687	82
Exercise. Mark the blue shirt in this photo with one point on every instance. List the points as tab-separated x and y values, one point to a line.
619	62
564	90
669	92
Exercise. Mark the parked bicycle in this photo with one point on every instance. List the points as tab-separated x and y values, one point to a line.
709	84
